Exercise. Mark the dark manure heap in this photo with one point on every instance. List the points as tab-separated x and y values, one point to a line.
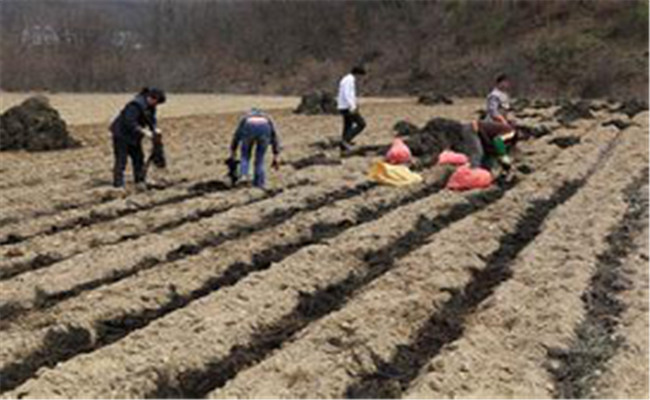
436	136
34	125
317	102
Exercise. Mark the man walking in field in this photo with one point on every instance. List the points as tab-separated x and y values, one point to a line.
353	122
256	129
128	131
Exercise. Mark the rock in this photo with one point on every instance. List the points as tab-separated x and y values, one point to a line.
317	102
34	125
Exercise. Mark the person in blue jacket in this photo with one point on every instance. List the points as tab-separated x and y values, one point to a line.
255	129
128	130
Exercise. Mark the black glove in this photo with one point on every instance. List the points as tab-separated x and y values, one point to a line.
233	166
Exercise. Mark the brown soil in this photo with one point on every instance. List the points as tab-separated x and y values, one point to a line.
327	285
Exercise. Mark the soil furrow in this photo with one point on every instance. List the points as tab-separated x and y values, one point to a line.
626	373
43	296
268	290
596	338
110	330
351	342
315	305
503	348
69	244
447	324
44	260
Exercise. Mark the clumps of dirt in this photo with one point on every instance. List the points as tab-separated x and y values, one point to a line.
618	124
541	103
209	187
59	343
519	104
564	142
317	102
572	111
534	131
436	136
632	107
316	159
524	169
34	125
434	99
405	128
524	115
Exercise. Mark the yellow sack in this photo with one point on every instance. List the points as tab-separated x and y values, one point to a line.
394	175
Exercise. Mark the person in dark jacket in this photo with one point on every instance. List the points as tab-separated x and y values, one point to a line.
255	129
128	130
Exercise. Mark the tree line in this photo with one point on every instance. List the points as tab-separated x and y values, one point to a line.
552	48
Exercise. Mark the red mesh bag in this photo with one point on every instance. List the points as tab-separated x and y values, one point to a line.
399	153
452	158
466	178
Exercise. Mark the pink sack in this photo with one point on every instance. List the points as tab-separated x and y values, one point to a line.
466	178
453	158
399	153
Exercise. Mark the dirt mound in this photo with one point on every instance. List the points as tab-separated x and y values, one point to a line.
541	103
538	131
433	99
318	102
437	135
34	125
564	142
520	104
618	123
632	107
405	128
573	111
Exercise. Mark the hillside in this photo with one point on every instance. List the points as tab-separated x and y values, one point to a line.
551	48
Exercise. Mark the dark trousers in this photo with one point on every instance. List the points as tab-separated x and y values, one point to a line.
123	149
353	124
260	137
472	145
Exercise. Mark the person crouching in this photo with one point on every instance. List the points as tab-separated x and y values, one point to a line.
256	129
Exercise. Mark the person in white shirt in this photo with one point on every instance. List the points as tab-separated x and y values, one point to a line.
498	101
353	122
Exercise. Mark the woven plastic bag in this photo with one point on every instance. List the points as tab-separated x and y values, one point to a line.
449	157
399	153
466	178
393	175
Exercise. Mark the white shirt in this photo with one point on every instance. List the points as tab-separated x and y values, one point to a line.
347	98
498	103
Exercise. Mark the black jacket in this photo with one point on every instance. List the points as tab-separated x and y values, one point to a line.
136	115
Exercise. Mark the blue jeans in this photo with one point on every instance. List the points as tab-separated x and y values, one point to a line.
260	137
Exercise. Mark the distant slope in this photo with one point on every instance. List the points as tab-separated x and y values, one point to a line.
552	48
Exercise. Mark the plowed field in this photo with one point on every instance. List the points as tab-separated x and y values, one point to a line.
327	285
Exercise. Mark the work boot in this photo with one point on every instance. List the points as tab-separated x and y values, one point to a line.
141	187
